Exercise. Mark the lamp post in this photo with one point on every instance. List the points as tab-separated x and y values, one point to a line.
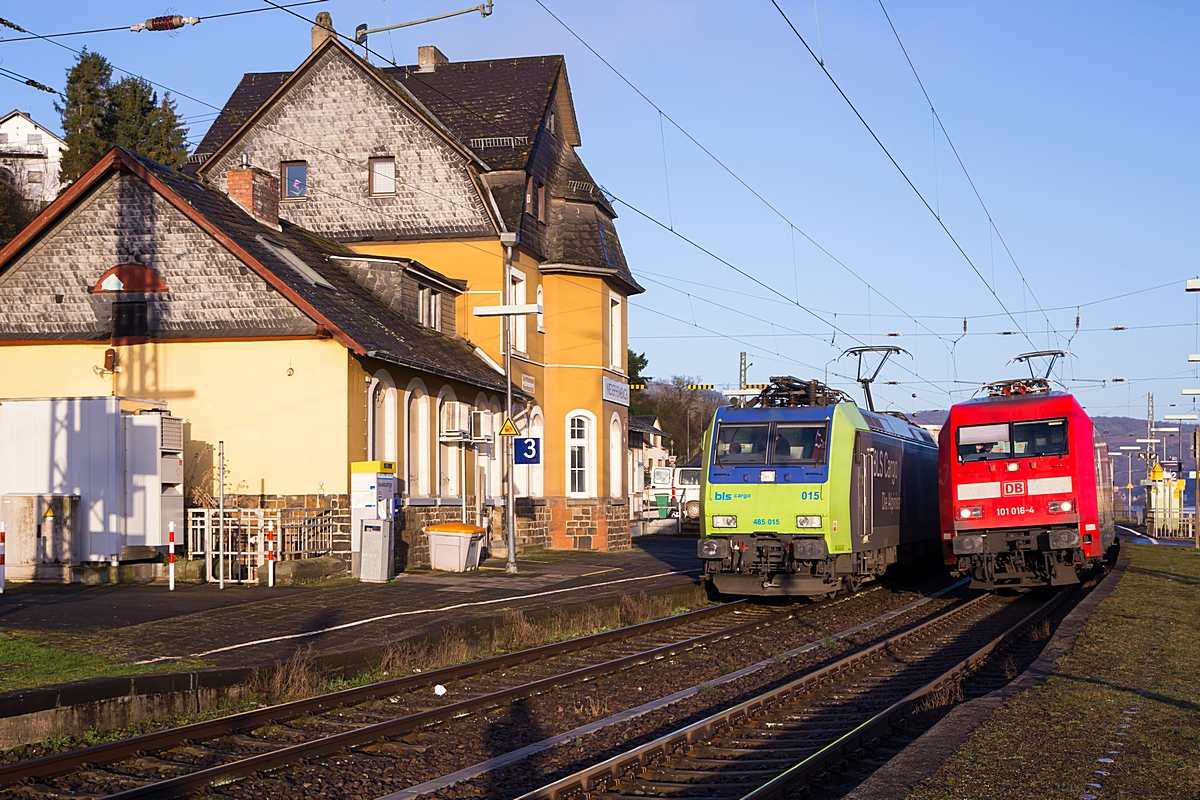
508	310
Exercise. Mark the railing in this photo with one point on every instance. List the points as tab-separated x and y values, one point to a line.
241	543
14	149
1173	524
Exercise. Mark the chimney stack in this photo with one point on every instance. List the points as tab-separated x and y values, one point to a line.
429	58
256	191
322	30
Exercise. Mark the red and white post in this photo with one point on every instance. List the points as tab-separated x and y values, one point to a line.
270	553
1	556
171	556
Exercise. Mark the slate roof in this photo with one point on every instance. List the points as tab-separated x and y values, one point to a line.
348	312
645	424
473	99
486	100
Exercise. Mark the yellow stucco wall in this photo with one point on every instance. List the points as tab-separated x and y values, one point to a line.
569	359
283	434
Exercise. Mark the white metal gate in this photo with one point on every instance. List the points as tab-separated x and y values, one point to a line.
239	545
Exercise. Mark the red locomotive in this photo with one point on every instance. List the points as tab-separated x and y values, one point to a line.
1024	487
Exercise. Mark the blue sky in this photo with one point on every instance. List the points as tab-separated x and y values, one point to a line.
1077	123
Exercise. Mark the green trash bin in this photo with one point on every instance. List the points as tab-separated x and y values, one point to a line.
663	503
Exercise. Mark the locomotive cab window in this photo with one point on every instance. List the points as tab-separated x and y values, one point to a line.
798	444
1047	437
741	444
984	442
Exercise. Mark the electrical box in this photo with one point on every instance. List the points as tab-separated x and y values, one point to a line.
122	457
373	498
456	421
483	426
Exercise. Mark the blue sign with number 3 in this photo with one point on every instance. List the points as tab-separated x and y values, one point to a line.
527	450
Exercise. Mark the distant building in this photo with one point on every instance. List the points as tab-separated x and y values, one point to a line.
29	157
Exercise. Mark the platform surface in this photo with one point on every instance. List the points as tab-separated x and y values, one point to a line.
250	625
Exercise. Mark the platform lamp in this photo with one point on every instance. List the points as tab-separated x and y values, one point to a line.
508	310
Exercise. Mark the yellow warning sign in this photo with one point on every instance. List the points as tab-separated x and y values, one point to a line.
509	429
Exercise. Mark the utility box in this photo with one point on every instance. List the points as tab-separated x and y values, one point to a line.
455	546
372	499
123	459
375	563
42	536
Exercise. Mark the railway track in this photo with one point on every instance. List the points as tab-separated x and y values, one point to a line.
825	725
182	761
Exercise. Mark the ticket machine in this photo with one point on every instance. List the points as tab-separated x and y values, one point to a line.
373	499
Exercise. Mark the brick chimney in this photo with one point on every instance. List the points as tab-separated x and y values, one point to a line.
429	58
257	192
322	30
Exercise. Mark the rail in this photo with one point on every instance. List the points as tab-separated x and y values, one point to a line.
604	776
64	763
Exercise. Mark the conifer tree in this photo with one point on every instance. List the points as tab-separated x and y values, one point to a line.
99	114
86	116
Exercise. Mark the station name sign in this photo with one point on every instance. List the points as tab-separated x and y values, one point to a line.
616	391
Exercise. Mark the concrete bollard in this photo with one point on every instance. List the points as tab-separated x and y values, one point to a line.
171	556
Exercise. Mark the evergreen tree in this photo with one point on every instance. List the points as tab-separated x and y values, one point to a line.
99	114
86	116
15	211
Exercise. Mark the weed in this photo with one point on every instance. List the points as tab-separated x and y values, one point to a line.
827	641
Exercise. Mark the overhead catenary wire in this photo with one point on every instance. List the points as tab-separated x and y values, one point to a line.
991	222
900	169
758	195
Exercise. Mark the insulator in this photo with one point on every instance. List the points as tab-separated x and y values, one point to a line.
168	22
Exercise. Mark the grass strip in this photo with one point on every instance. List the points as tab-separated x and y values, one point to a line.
1140	650
26	663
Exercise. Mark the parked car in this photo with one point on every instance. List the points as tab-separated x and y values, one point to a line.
673	490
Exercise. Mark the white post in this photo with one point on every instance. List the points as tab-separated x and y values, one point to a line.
171	557
1	556
221	514
270	553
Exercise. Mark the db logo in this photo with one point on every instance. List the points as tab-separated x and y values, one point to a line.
1013	489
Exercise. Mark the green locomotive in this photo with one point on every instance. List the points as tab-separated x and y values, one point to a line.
805	493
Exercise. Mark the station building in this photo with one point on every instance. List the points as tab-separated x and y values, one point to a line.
435	163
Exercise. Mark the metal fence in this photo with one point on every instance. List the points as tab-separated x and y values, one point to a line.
1174	524
240	544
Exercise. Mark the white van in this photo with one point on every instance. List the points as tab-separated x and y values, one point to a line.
674	489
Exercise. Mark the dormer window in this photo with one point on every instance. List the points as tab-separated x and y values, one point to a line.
430	308
550	121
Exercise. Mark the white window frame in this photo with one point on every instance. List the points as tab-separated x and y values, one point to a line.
416	401
429	308
589	455
371	188
520	322
616	457
614	332
390	434
541	317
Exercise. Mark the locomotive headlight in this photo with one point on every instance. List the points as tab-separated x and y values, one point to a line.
1065	505
711	549
970	512
1061	507
812	521
1064	539
725	521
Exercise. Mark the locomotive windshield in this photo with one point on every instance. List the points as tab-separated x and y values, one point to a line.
1041	438
1015	440
742	444
798	444
788	444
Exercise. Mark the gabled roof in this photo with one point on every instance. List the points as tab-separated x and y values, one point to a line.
346	311
476	101
18	113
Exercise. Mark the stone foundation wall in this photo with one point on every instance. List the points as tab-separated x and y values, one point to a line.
589	524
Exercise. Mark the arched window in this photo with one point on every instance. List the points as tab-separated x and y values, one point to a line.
381	419
448	449
581	454
616	457
417	451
